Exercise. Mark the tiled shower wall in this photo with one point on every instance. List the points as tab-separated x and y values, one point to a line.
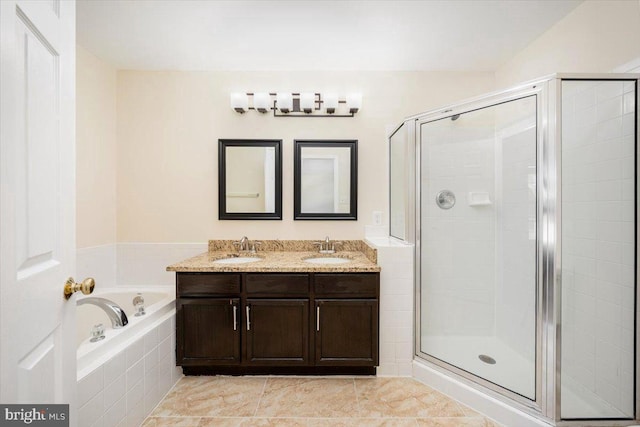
598	241
516	236
480	259
458	267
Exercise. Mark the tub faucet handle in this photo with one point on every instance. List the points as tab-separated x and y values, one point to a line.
97	332
138	304
86	286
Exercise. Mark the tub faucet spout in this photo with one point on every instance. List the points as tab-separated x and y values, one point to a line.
114	311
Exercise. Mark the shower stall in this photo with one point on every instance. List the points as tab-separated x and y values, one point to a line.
523	209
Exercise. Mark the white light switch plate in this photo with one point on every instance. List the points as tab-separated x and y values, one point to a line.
377	217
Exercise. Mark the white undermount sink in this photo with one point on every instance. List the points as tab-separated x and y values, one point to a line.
237	260
327	260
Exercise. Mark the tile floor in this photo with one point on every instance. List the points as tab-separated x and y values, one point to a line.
311	402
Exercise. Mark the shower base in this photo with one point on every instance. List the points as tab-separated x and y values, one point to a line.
513	372
578	401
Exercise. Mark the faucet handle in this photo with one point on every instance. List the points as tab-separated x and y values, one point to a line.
333	245
254	246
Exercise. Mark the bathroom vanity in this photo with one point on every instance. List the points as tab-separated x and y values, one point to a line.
280	313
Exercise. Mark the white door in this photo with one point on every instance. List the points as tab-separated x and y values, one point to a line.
37	201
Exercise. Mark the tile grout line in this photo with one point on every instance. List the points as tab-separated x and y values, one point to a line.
355	390
459	405
264	387
150	415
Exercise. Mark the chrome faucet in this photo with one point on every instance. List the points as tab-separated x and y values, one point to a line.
246	245
114	311
242	244
327	246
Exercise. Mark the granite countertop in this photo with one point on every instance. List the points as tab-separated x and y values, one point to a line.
282	256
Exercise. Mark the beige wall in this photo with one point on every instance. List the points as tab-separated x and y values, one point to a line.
597	36
169	124
95	150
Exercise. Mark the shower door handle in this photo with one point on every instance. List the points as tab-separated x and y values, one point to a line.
445	199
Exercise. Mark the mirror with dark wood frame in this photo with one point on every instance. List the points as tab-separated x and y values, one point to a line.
325	180
250	179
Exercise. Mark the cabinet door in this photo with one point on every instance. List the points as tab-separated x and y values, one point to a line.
346	332
277	331
208	331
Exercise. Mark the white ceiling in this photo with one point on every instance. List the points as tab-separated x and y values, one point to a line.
473	35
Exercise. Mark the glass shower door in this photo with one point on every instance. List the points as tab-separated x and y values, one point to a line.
599	202
478	243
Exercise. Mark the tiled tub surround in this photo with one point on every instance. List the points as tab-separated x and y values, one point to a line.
310	401
283	256
122	388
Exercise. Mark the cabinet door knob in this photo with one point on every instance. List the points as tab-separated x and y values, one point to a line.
248	320
318	318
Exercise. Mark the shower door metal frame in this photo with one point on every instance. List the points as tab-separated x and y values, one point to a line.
540	90
547	405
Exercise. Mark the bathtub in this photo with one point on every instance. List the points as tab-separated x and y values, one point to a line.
122	377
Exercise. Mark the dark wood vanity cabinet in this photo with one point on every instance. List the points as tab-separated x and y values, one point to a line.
208	319
277	322
346	319
277	332
209	332
346	332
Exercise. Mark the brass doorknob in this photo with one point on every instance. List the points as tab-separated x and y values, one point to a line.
71	286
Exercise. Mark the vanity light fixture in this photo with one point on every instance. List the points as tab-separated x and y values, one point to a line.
306	104
239	102
354	102
262	102
284	101
330	102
